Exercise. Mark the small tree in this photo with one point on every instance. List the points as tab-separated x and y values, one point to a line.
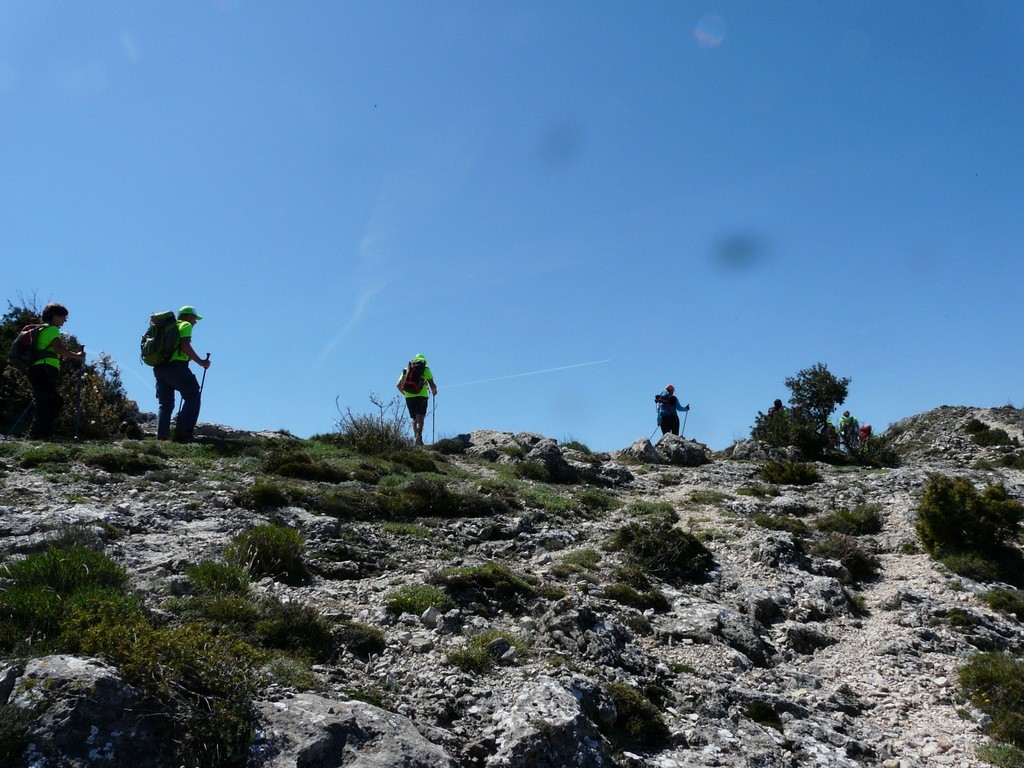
816	393
106	409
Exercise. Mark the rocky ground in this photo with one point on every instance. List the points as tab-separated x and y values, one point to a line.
779	657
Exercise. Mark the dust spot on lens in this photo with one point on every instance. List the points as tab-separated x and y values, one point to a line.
739	251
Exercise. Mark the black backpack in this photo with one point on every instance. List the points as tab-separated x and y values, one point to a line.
160	339
412	376
23	352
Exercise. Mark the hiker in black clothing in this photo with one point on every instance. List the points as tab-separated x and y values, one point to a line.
668	410
777	408
44	374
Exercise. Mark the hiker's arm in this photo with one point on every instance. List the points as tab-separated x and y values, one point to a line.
433	387
60	349
186	349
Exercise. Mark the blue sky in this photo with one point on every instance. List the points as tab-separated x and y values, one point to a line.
564	206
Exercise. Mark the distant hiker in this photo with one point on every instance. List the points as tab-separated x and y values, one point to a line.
44	373
668	410
174	376
777	409
864	435
414	383
848	432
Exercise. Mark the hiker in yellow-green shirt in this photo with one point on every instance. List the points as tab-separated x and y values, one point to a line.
415	382
174	376
44	374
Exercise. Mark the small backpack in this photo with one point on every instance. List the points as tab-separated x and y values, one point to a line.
160	339
412	381
23	351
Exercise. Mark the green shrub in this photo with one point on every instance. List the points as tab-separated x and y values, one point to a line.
584	558
861	520
638	724
576	445
793	525
417	598
1006	601
1002	755
294	462
46	586
426	497
860	564
270	550
296	627
204	682
654	511
984	435
210	577
973	566
627	595
125	462
491	583
953	518
667	552
789	473
532	470
449	445
262	494
765	714
479	656
596	500
709	497
45	454
385	431
994	682
416	461
361	640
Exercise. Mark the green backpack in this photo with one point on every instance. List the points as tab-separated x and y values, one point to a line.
160	339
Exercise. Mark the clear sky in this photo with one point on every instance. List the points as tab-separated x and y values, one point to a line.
564	205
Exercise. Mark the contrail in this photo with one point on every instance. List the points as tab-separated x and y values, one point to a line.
528	373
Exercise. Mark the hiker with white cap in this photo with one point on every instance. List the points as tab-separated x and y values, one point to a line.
668	410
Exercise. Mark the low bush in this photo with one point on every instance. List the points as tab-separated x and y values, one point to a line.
576	445
532	470
262	494
270	550
785	523
46	586
203	682
125	462
973	566
627	595
638	724
765	714
210	577
294	462
984	435
597	500
483	651
994	682
666	552
449	445
45	454
1006	601
654	511
382	432
361	640
859	563
789	473
953	518
417	598
859	521
492	584
295	627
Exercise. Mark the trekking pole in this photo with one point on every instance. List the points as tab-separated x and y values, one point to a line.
16	423
433	410
683	430
78	407
203	382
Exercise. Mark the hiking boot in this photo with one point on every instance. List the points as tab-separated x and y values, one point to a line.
183	437
419	439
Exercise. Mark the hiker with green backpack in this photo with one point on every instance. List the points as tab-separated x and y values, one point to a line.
38	349
414	383
167	346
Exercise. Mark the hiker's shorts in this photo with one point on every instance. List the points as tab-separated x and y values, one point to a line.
417	405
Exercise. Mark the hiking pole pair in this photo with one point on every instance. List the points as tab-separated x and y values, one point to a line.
18	421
